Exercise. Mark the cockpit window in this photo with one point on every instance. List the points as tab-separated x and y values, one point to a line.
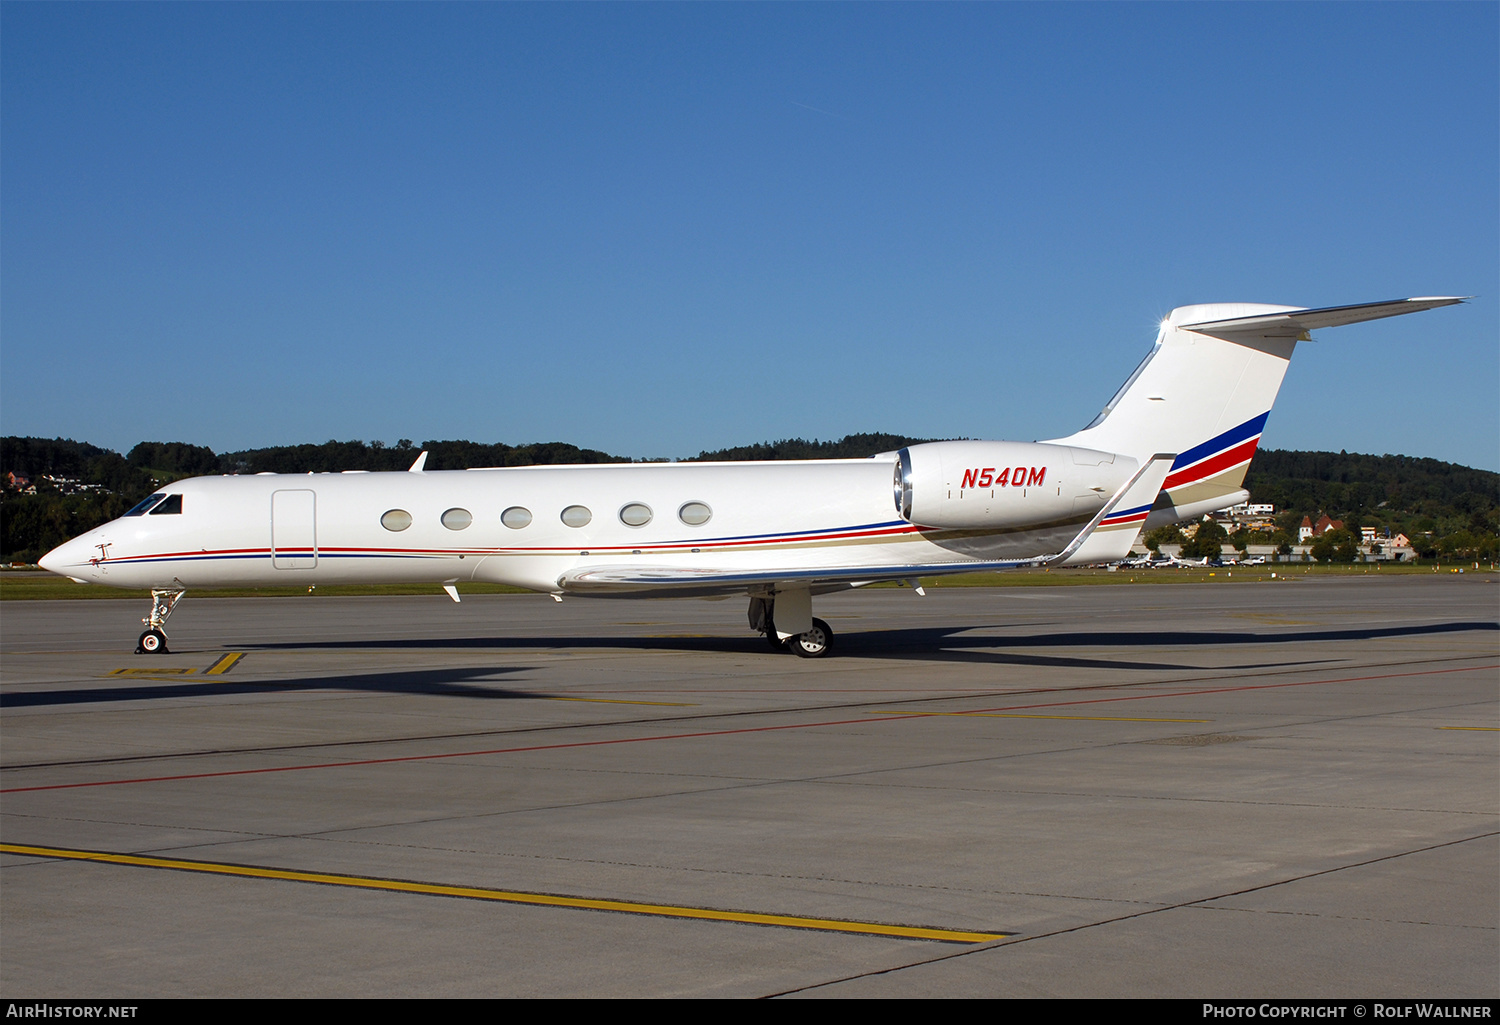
172	504
150	500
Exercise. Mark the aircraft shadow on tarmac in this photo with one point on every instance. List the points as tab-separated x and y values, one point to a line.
951	644
462	682
966	643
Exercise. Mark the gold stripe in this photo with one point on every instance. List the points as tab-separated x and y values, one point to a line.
1486	729
510	896
1011	715
224	664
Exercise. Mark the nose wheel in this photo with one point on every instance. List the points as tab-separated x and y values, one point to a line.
154	640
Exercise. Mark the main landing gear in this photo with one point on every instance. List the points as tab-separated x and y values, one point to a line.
815	639
154	640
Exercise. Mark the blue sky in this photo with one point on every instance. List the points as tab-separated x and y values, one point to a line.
653	229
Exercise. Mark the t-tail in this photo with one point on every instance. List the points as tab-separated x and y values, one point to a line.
1205	391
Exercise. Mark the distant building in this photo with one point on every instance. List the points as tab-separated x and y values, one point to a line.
1325	524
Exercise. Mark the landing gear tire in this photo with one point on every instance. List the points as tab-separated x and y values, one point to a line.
816	643
152	642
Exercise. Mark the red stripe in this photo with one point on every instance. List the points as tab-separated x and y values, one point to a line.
674	546
1241	453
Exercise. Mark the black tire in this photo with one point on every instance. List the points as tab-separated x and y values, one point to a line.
152	642
816	643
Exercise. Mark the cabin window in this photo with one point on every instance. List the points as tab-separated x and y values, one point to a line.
140	509
694	514
457	519
396	519
576	516
636	514
516	517
170	505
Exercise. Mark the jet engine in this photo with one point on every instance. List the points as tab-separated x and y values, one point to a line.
987	484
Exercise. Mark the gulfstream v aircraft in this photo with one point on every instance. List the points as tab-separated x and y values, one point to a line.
1173	444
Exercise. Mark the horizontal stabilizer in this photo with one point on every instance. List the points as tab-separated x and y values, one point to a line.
1294	323
1113	529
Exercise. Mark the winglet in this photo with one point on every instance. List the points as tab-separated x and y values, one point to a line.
1113	529
416	467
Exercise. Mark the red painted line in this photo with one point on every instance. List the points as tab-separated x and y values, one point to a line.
454	754
1226	690
715	733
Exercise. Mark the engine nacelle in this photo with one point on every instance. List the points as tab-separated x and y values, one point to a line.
973	484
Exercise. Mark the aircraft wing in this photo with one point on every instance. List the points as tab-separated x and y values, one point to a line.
1295	323
686	583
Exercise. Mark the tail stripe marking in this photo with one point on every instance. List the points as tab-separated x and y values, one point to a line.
1249	429
1209	467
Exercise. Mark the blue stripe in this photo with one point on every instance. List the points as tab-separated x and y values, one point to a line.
1230	438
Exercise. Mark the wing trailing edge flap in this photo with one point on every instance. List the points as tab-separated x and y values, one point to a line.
1297	323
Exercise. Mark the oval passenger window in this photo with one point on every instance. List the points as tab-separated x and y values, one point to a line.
635	515
396	519
516	517
694	514
457	519
576	516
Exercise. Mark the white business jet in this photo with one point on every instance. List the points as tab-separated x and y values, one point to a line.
1173	444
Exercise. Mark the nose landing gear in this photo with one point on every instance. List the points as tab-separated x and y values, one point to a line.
154	640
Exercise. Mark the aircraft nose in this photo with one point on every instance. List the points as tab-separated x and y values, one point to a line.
67	559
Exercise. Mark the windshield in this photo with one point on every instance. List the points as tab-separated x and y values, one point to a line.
140	510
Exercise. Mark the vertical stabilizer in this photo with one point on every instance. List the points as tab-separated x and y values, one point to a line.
1206	390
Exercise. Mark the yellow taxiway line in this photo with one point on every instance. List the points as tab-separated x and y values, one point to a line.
509	896
219	667
224	664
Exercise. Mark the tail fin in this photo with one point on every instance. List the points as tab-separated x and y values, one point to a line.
1206	389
